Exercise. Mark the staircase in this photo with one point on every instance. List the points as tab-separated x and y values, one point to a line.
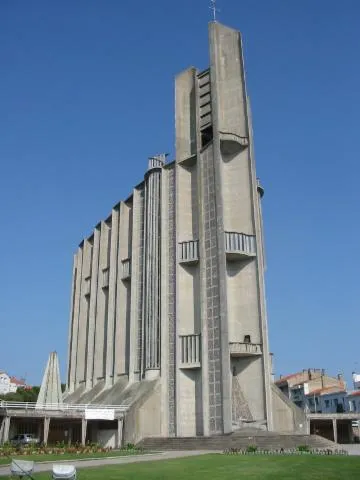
241	440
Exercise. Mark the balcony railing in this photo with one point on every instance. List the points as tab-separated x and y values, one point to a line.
239	246
243	349
231	144
126	269
158	161
190	351
189	252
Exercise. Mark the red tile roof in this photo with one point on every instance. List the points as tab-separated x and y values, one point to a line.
287	377
326	390
16	381
356	393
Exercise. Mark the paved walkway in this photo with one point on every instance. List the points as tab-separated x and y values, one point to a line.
352	448
47	466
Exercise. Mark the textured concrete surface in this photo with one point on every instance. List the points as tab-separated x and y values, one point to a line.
190	307
50	390
47	466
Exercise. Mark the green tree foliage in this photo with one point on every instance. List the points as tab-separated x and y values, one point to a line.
22	395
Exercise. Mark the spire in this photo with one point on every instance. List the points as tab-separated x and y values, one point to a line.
50	390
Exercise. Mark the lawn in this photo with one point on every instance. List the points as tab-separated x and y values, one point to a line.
223	467
68	456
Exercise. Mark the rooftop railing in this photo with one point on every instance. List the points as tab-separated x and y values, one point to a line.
63	407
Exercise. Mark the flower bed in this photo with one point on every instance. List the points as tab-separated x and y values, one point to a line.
8	450
301	450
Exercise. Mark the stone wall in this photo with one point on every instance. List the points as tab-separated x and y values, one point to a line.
144	418
287	416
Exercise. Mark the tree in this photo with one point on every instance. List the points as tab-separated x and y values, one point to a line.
22	395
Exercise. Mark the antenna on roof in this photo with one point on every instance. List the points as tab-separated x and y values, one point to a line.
213	9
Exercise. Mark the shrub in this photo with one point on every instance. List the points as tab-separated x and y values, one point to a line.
60	448
303	448
251	448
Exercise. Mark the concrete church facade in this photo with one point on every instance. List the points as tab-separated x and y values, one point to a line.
168	308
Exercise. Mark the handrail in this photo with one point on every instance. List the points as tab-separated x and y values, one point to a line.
60	406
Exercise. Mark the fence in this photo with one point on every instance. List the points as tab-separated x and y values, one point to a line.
63	407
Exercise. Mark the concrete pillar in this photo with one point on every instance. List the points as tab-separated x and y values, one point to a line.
120	432
151	267
168	307
335	430
351	433
307	426
2	426
70	434
185	108
101	322
258	222
90	381
6	429
123	289
112	312
75	320
46	429
83	431
84	308
70	373
137	256
39	431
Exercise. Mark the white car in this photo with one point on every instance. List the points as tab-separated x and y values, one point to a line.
25	439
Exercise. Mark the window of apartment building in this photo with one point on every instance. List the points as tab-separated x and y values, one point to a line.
327	403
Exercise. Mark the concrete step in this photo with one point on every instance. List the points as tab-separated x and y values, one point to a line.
223	442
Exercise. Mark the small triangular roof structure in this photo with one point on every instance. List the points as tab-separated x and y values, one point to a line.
50	390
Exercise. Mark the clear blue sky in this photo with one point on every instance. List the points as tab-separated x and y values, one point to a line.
86	94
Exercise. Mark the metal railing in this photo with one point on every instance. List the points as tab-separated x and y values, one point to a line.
190	346
63	407
245	348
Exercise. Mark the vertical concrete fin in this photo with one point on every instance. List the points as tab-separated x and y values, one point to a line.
151	267
50	390
185	114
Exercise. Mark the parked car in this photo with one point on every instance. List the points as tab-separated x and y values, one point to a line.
24	439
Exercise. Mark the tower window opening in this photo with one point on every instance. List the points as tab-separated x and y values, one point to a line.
247	339
206	136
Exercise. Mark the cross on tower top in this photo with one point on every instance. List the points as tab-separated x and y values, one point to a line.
213	9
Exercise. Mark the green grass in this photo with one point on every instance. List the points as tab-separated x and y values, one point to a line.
223	467
68	456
